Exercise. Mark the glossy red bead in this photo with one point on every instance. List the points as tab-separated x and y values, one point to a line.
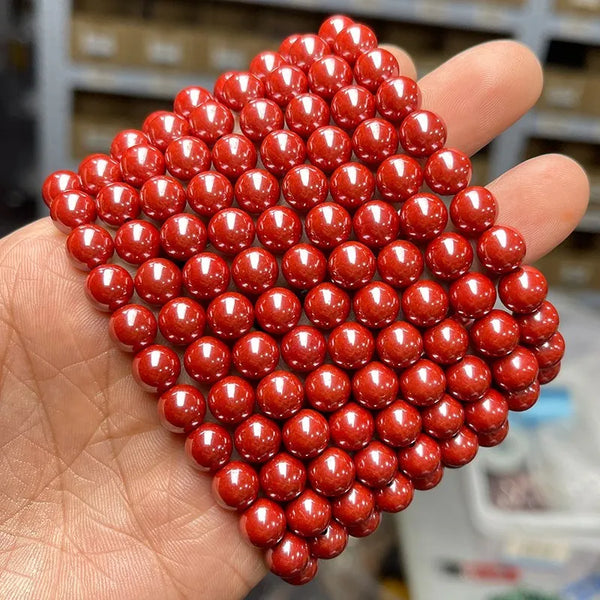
307	50
368	526
71	209
501	249
277	310
304	266
89	246
182	236
231	230
186	157
181	408
327	388
306	434
351	265
496	334
352	185
447	342
332	26
330	543
304	186
449	256
351	427
399	177
328	148
472	296
162	197
281	150
375	386
280	395
422	133
396	98
524	290
181	321
327	306
231	400
447	171
284	47
354	40
537	327
400	263
58	182
328	75
156	368
328	225
209	192
263	524
205	276
517	370
306	575
524	399
241	88
443	419
376	305
468	379
164	128
375	67
109	287
157	281
303	348
423	384
98	170
459	450
290	557
308	514
207	360
235	486
331	473
208	447
423	217
488	413
429	481
354	507
254	270
350	345
549	373
137	241
396	495
425	303
550	352
233	154
487	440
259	118
132	327
376	464
399	345
399	424
190	98
256	190
376	224
374	140
305	113
278	228
255	355
283	478
265	62
473	210
284	83
352	105
210	121
257	439
140	163
421	458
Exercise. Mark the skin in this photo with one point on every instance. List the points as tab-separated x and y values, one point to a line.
97	500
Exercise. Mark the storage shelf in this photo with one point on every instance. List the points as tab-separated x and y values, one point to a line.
590	222
573	28
567	127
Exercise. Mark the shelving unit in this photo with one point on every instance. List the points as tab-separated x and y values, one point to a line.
534	22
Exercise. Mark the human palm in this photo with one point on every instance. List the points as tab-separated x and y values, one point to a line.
97	500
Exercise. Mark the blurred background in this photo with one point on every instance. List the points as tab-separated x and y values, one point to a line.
523	521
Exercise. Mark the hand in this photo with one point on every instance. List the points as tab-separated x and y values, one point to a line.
98	500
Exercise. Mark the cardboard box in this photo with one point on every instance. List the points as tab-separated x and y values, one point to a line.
564	89
91	134
230	51
591	97
458	41
131	8
175	11
579	6
416	40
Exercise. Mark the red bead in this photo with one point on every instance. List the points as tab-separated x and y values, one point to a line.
209	192
551	352
327	306
205	276
156	368
231	230
396	495
231	400
303	349
151	116
157	281
376	464
374	67
397	98
376	224
137	241
501	249
164	128
256	190
354	40
254	271
186	157
446	342
375	386
472	296
423	384
132	327
109	287
304	266
423	217
98	170
517	370
430	481
449	256
277	310
181	409
496	334
140	163
328	148
422	133
306	575
328	75
263	524
284	47
328	225
354	507
208	447
235	486
421	458
284	83
332	26
375	140
181	321
290	557
259	117
351	106
376	305
89	246
524	290
473	210
233	154
211	121
282	150
398	178
443	419
351	427
58	182
265	62
162	197
305	113
366	527
255	355
549	373
331	473
304	186
537	327
447	171
351	346
308	514
257	439
327	388
190	98
352	185
182	236
283	478
487	440
425	303
399	424
306	434
207	360
399	345
521	400
400	263
351	265
241	88
278	228
460	449
280	395
488	413
307	50
72	209
468	379
330	543
220	84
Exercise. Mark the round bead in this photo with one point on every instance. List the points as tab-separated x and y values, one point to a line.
352	185
422	133
396	495
472	296
181	321
330	543
263	524
488	440
521	400
58	182
181	408
162	197
233	154
265	62
235	486
256	190
205	276
524	290
354	507
473	210
423	384
132	327
304	186
303	349
254	270
96	171
89	246
332	26
376	305
157	281
423	217
137	241
284	47
550	352
400	263
328	148
539	326
328	75
186	157
240	89
208	447
71	209
376	464
284	83
255	355
281	150
331	473
397	98
211	121
259	118
517	370
278	228
351	265
468	379
182	236
231	230
140	163
399	177
277	310
421	458
449	256
209	192
443	419
156	368
190	98
328	225
350	346
496	334
375	386
374	140
374	67
459	450
549	373
280	395
327	388
306	434
351	106
207	360
308	514
290	557
447	342
327	306
351	427
488	413
164	128
307	50
399	424
231	400
305	113
257	439
399	345
151	116
306	575
109	287
117	203
354	40
304	266
376	224
283	478
425	303
501	249
430	481
447	171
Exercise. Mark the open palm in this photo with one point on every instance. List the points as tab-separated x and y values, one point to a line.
96	500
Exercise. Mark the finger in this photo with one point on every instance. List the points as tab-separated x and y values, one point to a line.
544	198
482	91
405	62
